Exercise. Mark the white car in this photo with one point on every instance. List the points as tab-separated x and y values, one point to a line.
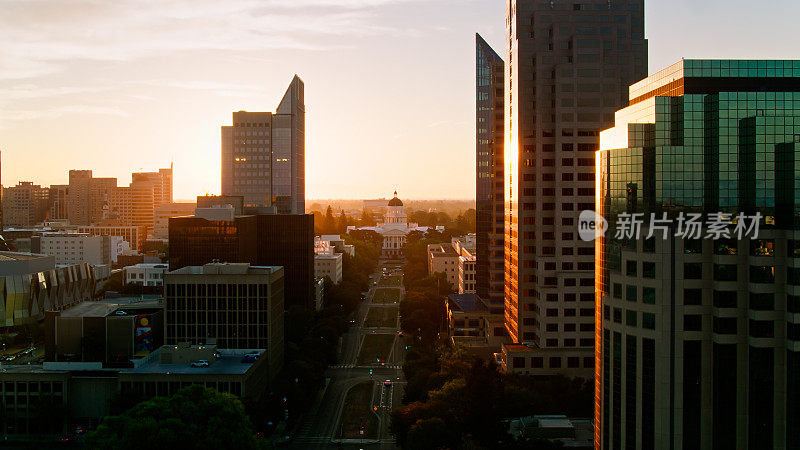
200	363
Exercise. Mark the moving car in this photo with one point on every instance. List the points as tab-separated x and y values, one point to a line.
387	383
200	363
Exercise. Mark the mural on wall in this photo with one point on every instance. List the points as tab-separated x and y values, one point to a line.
143	335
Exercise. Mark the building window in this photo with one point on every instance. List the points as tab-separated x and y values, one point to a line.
693	271
649	321
630	268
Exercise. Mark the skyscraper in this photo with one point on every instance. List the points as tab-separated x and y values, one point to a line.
698	338
567	70
162	184
263	155
87	196
489	130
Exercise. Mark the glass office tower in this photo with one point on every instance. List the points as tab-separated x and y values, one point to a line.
568	68
489	267
263	155
698	340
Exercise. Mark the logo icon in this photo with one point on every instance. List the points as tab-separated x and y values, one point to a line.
591	225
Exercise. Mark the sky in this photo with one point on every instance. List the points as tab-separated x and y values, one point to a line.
118	86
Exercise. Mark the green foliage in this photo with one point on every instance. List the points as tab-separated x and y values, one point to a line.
471	397
463	223
195	417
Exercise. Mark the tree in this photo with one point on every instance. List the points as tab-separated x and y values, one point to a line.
195	417
341	227
366	219
431	433
328	223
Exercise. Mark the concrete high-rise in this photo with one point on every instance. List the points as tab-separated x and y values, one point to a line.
263	155
489	264
162	184
87	197
25	204
568	68
698	334
59	194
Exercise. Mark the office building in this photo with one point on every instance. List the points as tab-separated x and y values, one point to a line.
489	178
132	205
87	197
698	340
130	234
84	390
74	248
161	181
163	213
568	68
25	204
209	201
31	284
232	306
263	155
285	240
328	265
58	202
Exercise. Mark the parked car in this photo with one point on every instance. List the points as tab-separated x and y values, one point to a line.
200	363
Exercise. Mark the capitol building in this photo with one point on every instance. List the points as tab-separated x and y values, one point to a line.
394	228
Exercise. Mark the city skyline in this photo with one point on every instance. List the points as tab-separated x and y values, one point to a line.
147	84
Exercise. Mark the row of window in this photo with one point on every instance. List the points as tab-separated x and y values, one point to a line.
553	362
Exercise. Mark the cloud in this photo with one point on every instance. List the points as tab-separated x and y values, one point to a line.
41	36
50	113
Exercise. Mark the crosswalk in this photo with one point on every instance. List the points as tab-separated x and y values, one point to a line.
353	366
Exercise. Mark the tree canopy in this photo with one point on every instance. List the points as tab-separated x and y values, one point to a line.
195	417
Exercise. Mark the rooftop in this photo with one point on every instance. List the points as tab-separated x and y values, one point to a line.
226	269
227	364
103	308
516	348
15	256
466	302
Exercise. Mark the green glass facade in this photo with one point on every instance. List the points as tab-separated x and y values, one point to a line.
706	327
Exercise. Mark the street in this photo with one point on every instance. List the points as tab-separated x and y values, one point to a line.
322	427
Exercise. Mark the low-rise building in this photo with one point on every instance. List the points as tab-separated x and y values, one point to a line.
145	274
130	234
456	260
520	358
82	392
73	248
328	265
471	324
112	332
31	284
336	241
244	373
571	433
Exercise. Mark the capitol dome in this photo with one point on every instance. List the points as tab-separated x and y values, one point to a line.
395	201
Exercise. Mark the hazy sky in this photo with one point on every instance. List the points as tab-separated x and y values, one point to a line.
122	85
